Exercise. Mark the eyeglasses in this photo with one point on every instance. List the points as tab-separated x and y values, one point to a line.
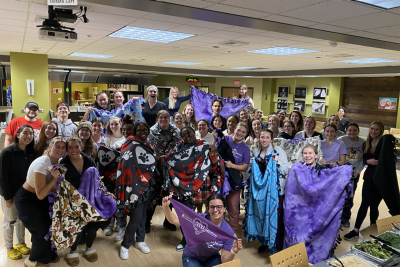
219	207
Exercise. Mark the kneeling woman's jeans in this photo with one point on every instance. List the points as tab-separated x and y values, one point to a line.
191	262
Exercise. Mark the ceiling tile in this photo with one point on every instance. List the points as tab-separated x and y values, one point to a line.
167	18
368	34
390	31
15	15
11	22
191	3
238	11
119	11
14	5
109	18
289	20
371	21
192	30
154	24
39	9
331	28
226	34
211	25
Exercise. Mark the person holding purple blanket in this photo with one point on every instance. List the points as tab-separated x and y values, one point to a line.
207	254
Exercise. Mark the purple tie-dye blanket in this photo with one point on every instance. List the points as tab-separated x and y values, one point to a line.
313	207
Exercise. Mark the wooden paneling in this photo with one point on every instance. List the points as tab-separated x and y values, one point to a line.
361	97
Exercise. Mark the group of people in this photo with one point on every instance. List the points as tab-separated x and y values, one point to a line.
221	161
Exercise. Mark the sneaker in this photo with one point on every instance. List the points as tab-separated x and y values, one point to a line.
346	224
142	247
120	235
123	253
352	234
180	247
117	228
108	231
169	225
262	249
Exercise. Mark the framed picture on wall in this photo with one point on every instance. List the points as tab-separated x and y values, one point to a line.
300	105
300	92
318	107
319	93
282	104
283	91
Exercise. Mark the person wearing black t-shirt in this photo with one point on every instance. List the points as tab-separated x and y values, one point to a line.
152	106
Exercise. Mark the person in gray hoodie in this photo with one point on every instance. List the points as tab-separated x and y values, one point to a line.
66	128
354	156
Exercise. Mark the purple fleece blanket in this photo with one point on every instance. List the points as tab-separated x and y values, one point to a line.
313	207
201	102
96	193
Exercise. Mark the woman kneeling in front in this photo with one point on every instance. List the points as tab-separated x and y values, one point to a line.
205	254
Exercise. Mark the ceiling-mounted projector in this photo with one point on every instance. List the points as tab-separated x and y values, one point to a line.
52	30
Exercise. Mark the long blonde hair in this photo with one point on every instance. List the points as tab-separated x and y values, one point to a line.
193	120
171	104
108	128
246	95
52	143
369	143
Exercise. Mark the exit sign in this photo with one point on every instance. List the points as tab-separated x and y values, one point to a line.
192	80
236	82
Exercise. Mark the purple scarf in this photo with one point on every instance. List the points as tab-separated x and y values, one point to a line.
201	102
313	207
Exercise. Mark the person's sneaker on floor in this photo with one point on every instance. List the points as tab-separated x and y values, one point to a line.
108	231
346	224
123	253
117	228
262	249
169	225
120	235
142	247
352	234
179	247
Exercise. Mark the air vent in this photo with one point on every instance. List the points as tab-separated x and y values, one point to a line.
234	43
340	55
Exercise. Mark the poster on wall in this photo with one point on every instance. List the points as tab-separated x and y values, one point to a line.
282	104
387	103
300	105
300	92
319	93
283	91
318	107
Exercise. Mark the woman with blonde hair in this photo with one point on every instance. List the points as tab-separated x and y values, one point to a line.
273	123
114	132
189	118
244	95
370	197
48	131
173	102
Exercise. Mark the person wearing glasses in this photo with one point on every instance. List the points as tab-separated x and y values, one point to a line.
203	131
207	254
66	128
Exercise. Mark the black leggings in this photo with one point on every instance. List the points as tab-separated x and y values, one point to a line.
90	232
371	198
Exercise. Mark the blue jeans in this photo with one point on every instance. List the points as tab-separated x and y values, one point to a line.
191	262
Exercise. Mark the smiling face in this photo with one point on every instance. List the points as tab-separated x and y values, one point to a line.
84	134
265	139
142	132
216	209
97	127
374	131
188	136
175	93
309	124
217	123
288	129
330	132
295	118
26	136
341	112
352	132
281	116
309	156
243	91
256	126
244	116
74	149
240	133
152	93
163	121
189	111
50	131
102	100
258	114
203	127
178	119
31	113
335	120
231	123
216	107
63	111
127	130
58	150
115	125
272	123
118	98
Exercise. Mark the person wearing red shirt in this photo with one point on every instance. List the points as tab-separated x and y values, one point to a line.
31	111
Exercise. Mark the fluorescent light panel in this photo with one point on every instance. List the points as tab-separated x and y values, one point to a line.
381	3
307	76
181	63
69	67
367	60
89	55
283	51
244	68
77	71
150	35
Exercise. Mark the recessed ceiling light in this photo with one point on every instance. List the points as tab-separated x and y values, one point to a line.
89	55
283	51
307	76
367	60
381	3
244	68
150	35
78	71
61	70
247	76
199	75
69	67
181	63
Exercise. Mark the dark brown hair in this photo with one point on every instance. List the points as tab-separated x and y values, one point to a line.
137	124
41	143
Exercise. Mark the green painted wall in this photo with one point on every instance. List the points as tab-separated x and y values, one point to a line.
30	66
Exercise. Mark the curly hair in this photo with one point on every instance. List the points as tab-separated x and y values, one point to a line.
137	124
